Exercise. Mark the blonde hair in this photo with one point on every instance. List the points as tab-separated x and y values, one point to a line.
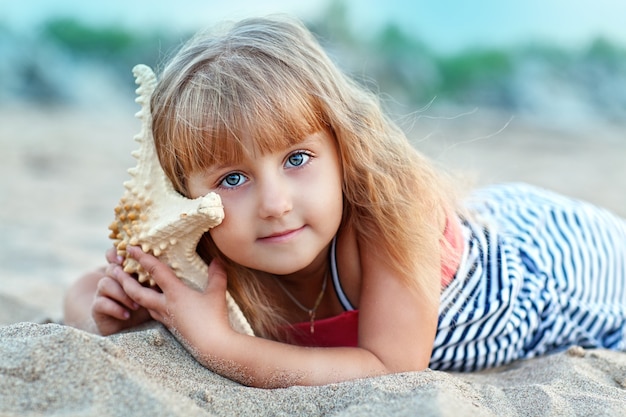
269	79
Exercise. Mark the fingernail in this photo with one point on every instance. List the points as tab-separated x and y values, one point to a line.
126	315
118	271
120	259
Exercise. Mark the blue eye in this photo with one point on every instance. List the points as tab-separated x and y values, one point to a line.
232	180
298	159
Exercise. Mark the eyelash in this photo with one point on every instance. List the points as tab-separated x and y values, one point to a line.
305	153
223	179
308	154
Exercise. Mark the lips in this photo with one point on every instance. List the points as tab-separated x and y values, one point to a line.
283	235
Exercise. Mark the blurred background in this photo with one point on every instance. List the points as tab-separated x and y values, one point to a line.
530	90
555	60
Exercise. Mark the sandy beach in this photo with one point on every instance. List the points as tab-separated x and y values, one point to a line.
62	171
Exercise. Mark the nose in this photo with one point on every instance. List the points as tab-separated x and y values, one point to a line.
275	198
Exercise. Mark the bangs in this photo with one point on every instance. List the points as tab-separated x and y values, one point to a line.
240	111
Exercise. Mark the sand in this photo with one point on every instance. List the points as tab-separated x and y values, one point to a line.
62	172
55	370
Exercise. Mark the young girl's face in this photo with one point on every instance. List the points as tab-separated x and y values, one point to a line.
282	208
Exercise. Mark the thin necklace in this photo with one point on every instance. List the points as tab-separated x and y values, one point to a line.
310	311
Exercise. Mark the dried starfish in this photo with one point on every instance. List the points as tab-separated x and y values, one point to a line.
153	215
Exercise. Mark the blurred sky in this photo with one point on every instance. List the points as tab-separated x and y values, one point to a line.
445	25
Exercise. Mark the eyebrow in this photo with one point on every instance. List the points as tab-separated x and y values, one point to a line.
314	137
212	170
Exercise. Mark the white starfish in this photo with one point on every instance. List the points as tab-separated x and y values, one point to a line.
153	215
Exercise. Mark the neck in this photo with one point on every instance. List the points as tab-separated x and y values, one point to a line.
305	285
310	311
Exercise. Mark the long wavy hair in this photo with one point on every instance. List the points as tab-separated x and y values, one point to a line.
269	79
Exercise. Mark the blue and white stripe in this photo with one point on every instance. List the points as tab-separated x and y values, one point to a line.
540	272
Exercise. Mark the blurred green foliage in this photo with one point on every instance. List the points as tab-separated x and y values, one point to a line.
601	50
118	47
82	39
414	74
391	61
472	68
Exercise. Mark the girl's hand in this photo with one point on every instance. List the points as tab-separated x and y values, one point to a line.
195	317
112	309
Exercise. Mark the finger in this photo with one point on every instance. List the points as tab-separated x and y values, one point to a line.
146	297
217	276
104	306
112	256
116	272
160	317
136	293
110	288
160	273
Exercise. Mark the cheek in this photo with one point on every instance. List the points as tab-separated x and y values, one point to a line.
334	187
235	231
224	237
326	199
336	202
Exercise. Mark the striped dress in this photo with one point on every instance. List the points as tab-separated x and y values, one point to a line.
539	272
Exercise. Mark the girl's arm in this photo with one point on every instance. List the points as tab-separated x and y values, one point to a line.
78	300
396	330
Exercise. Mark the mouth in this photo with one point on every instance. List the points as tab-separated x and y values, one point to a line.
281	236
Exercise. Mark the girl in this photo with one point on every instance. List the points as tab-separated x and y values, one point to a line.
344	247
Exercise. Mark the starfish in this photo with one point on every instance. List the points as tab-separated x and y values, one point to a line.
153	215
